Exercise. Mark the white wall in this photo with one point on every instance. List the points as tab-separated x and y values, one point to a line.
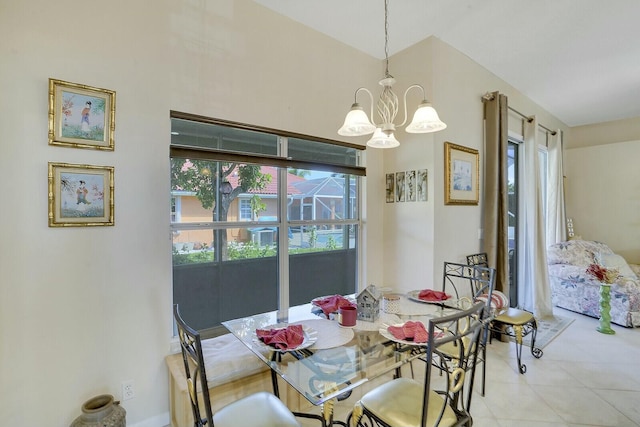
83	309
604	133
421	235
601	184
602	188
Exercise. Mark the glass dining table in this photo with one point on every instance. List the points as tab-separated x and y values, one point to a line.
333	360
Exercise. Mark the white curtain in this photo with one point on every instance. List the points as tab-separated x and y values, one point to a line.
537	292
556	216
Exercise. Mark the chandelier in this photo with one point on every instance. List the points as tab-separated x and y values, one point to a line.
356	123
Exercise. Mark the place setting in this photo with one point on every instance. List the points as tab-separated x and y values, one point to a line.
407	333
286	338
337	317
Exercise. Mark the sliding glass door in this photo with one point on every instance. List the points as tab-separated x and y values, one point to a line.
513	180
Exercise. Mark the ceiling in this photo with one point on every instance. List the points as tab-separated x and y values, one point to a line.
578	59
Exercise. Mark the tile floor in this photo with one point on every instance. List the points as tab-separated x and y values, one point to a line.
584	379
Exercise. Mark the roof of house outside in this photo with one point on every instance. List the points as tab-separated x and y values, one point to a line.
328	186
272	187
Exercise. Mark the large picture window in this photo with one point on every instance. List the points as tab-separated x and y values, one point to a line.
258	222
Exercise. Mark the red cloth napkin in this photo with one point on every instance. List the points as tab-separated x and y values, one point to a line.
332	303
410	331
282	339
431	295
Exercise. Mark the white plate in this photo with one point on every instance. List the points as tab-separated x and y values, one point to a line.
415	296
388	335
310	337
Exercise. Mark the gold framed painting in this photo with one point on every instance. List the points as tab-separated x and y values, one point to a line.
81	116
462	175
80	195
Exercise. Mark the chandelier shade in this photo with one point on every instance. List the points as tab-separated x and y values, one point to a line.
381	140
357	123
425	120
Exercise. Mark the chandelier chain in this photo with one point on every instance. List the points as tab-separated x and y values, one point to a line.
386	37
357	122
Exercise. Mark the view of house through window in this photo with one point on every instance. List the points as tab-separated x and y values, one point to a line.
247	229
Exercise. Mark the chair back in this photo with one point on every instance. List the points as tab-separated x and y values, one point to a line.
461	330
480	259
191	346
475	282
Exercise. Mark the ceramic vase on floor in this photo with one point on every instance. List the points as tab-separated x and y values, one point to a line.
605	308
101	411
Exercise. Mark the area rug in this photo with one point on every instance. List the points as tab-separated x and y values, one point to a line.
548	330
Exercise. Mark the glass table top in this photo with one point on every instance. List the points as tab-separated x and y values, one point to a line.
333	360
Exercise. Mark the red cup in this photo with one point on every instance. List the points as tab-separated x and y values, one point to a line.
347	316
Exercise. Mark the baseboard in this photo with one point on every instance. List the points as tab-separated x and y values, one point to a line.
161	420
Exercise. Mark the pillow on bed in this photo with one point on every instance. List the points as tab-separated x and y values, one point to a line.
576	252
618	262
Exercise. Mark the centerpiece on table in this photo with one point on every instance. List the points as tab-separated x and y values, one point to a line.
606	277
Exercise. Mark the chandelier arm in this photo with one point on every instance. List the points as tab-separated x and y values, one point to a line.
370	99
406	113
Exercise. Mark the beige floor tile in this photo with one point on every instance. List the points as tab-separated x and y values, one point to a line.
524	423
627	402
584	379
581	405
518	402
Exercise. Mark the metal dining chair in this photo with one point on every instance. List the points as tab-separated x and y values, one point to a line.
260	409
441	400
476	283
510	321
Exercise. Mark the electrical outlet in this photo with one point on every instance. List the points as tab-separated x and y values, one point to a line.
127	390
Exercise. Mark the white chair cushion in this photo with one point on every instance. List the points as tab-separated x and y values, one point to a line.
399	403
257	410
226	359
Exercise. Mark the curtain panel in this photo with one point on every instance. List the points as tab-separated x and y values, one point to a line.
495	209
535	284
556	215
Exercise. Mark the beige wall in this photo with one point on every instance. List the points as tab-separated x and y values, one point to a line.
604	133
419	237
601	184
84	309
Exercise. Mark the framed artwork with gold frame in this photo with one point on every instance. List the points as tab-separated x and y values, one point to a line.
80	195
81	116
462	175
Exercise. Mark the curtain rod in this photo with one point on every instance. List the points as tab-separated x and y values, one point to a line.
489	97
552	132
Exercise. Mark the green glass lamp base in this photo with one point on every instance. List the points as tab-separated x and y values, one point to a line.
605	308
605	330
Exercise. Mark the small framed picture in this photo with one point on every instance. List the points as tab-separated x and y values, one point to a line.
80	195
421	184
390	187
410	178
400	189
81	116
461	175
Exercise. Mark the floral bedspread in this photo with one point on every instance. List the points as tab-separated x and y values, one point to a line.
574	289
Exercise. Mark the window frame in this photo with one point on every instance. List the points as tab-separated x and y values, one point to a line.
283	163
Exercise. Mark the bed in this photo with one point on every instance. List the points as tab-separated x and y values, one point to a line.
573	289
